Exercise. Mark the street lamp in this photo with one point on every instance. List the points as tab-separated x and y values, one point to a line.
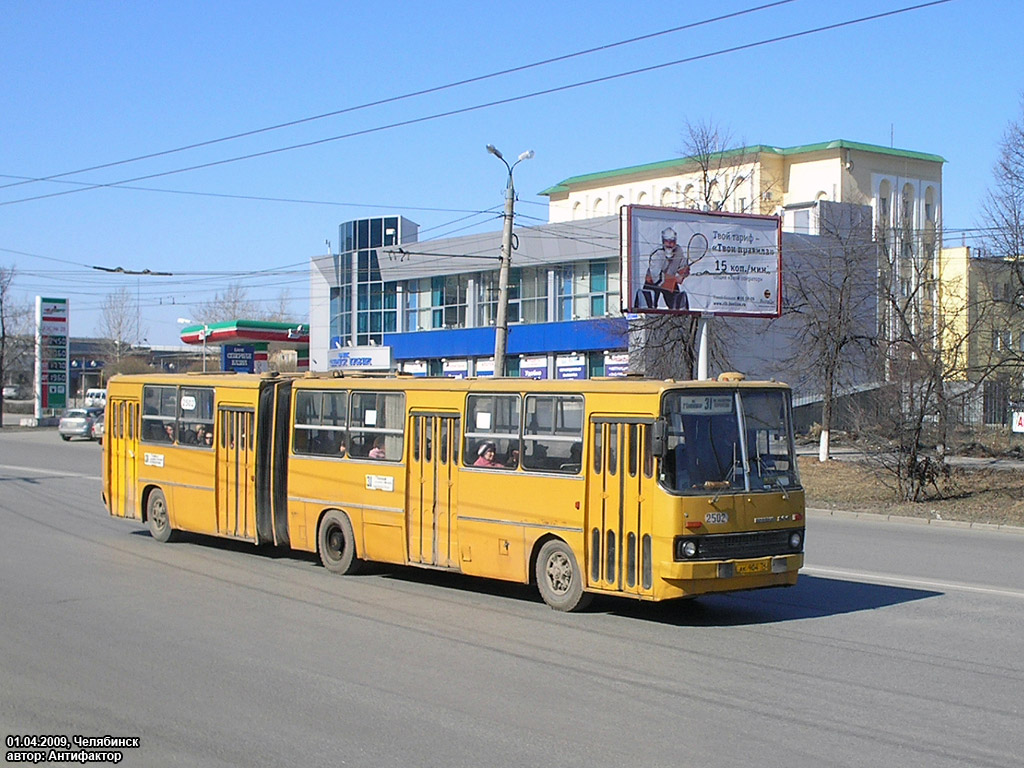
501	319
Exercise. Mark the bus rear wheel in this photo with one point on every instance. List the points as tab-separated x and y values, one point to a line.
559	580
337	544
157	517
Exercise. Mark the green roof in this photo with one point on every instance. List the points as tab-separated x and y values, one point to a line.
761	149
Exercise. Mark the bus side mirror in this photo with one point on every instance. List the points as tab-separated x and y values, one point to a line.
658	438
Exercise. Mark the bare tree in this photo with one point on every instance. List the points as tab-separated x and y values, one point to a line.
945	346
119	323
15	339
1003	209
831	295
233	303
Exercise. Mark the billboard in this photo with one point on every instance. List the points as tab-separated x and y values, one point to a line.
683	261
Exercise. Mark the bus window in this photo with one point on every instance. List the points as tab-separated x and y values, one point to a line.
703	450
159	414
376	425
553	433
492	421
320	423
768	441
195	419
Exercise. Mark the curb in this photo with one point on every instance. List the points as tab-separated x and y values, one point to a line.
873	516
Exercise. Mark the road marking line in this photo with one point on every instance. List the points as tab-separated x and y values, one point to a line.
903	581
49	472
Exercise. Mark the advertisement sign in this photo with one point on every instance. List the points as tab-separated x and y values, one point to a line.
455	369
571	367
485	367
52	369
1017	424
713	263
533	367
238	358
616	364
362	358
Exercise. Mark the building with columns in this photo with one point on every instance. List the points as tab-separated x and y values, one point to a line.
386	301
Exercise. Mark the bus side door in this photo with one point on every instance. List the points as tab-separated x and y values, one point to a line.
121	442
433	470
236	468
619	521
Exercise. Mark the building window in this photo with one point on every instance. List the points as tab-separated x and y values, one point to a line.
527	296
377	307
587	289
437	302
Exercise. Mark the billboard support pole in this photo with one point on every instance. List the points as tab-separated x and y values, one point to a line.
702	347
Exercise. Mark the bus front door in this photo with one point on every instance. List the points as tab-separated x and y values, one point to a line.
122	446
433	470
619	502
236	470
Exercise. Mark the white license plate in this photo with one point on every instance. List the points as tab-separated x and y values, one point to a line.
716	518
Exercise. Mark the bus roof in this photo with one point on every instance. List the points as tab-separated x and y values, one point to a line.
624	385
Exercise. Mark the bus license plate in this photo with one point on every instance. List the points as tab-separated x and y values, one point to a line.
745	569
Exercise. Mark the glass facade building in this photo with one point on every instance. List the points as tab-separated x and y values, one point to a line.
433	306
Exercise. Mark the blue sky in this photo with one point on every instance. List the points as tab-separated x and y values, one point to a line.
86	84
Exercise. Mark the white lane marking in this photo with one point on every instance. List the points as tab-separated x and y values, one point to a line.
50	472
890	579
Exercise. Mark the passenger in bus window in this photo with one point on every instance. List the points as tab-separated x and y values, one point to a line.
342	449
377	452
168	432
485	456
513	459
208	439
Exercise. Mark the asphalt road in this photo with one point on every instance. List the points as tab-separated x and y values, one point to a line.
902	645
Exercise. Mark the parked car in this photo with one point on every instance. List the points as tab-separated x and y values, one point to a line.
77	422
97	428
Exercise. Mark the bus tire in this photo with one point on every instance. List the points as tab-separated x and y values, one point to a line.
336	543
157	516
559	579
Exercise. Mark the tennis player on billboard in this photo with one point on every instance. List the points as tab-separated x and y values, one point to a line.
711	263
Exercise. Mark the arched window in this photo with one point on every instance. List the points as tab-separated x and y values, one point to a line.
668	197
619	202
641	199
929	204
689	201
599	207
883	211
907	206
577	210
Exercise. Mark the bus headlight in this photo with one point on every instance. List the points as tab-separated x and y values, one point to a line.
796	540
688	548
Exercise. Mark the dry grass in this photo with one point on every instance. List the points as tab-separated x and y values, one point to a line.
977	496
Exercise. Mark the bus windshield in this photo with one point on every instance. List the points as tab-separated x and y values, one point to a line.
727	442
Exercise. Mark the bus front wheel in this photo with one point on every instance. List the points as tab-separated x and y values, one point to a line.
559	579
157	517
337	544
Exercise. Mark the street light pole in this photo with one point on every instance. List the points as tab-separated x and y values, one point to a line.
501	316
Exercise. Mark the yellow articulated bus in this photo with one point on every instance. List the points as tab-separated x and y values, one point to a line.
645	489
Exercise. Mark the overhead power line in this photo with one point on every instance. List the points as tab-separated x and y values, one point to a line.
404	96
500	102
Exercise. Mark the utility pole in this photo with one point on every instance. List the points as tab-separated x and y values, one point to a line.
501	316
